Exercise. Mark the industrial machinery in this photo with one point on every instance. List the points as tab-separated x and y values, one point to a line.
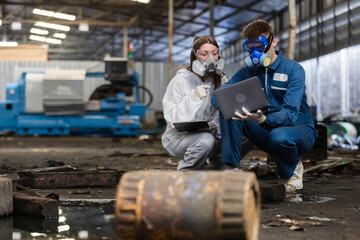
52	103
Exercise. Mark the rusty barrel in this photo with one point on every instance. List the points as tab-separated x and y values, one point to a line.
187	205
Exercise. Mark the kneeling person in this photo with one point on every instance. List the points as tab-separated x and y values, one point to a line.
285	129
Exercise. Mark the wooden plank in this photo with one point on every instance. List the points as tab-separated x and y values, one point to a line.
6	227
43	180
6	192
27	179
35	206
272	191
64	168
25	52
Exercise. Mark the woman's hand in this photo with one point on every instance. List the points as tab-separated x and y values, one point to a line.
201	91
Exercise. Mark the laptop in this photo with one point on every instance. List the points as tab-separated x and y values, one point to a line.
190	126
247	93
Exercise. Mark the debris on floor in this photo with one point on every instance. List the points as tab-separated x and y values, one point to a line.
67	176
330	187
329	163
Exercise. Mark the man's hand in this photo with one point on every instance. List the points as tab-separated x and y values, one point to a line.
257	117
201	91
211	129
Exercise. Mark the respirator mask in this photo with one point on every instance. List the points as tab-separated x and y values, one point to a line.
209	65
257	48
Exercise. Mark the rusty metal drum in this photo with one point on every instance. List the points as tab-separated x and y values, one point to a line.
187	205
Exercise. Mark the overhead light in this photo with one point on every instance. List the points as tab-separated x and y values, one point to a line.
37	38
39	31
83	27
141	1
54	14
44	39
0	22
53	41
53	26
43	12
59	35
8	44
16	25
64	16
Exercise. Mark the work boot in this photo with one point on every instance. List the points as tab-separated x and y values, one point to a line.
213	164
229	167
295	182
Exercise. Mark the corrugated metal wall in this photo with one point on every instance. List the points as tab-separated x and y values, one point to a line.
333	83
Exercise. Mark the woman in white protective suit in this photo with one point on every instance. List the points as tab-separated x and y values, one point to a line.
187	98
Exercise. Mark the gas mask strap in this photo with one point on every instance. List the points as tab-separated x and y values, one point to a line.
271	38
193	49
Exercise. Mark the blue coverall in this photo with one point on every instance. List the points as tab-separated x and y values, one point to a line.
288	131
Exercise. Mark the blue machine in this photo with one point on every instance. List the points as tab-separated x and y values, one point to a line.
109	114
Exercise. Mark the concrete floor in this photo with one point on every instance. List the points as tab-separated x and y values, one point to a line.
327	208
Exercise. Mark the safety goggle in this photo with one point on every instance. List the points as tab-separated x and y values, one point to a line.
205	54
260	43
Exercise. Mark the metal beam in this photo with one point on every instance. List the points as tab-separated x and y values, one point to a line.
99	15
212	22
125	42
292	29
170	37
204	28
92	23
82	3
18	9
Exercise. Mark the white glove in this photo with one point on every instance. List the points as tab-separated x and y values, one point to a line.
200	91
257	117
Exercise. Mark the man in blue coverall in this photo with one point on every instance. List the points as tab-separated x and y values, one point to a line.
284	129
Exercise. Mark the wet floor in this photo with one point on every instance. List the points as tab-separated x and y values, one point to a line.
302	198
73	223
85	222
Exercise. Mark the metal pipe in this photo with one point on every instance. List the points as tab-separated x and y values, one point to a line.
187	205
349	13
211	11
170	37
125	42
143	51
292	29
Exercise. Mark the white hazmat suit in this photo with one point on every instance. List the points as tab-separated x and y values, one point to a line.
179	105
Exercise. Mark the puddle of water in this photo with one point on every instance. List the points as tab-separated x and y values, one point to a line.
86	222
297	198
316	199
252	162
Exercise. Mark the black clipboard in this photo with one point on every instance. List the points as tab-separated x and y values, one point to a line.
192	126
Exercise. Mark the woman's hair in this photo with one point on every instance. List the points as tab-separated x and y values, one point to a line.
197	43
